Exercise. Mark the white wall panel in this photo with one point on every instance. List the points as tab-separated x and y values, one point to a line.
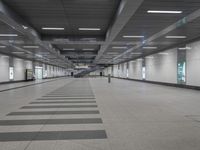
28	64
122	70
110	70
193	64
4	67
135	69
162	67
115	71
19	69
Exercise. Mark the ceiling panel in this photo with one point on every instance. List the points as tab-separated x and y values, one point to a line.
70	14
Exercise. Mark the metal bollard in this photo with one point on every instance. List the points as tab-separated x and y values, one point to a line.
109	78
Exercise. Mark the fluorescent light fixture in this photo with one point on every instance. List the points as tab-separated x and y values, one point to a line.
164	12
89	29
8	35
52	28
31	46
133	36
175	37
184	48
88	49
149	47
150	57
18	52
68	49
2	46
119	47
163	53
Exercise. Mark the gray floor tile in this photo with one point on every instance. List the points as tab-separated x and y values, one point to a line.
52	112
50	121
58	106
52	135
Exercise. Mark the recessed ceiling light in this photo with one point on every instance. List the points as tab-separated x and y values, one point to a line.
149	47
175	37
133	36
88	49
18	52
31	47
163	53
8	35
150	57
184	48
2	46
164	12
51	28
69	49
89	29
119	47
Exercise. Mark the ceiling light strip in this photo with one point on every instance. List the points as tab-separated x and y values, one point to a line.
89	29
2	46
8	35
88	49
148	47
164	12
133	36
119	47
51	28
69	49
176	37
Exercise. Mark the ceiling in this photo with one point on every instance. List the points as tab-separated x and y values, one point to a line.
70	15
114	19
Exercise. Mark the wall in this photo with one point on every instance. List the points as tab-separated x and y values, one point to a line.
162	67
28	64
193	64
4	67
19	69
115	71
135	69
159	67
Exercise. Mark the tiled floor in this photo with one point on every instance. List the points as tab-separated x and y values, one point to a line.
90	114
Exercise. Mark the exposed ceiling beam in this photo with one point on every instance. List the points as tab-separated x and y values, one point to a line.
125	11
79	42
